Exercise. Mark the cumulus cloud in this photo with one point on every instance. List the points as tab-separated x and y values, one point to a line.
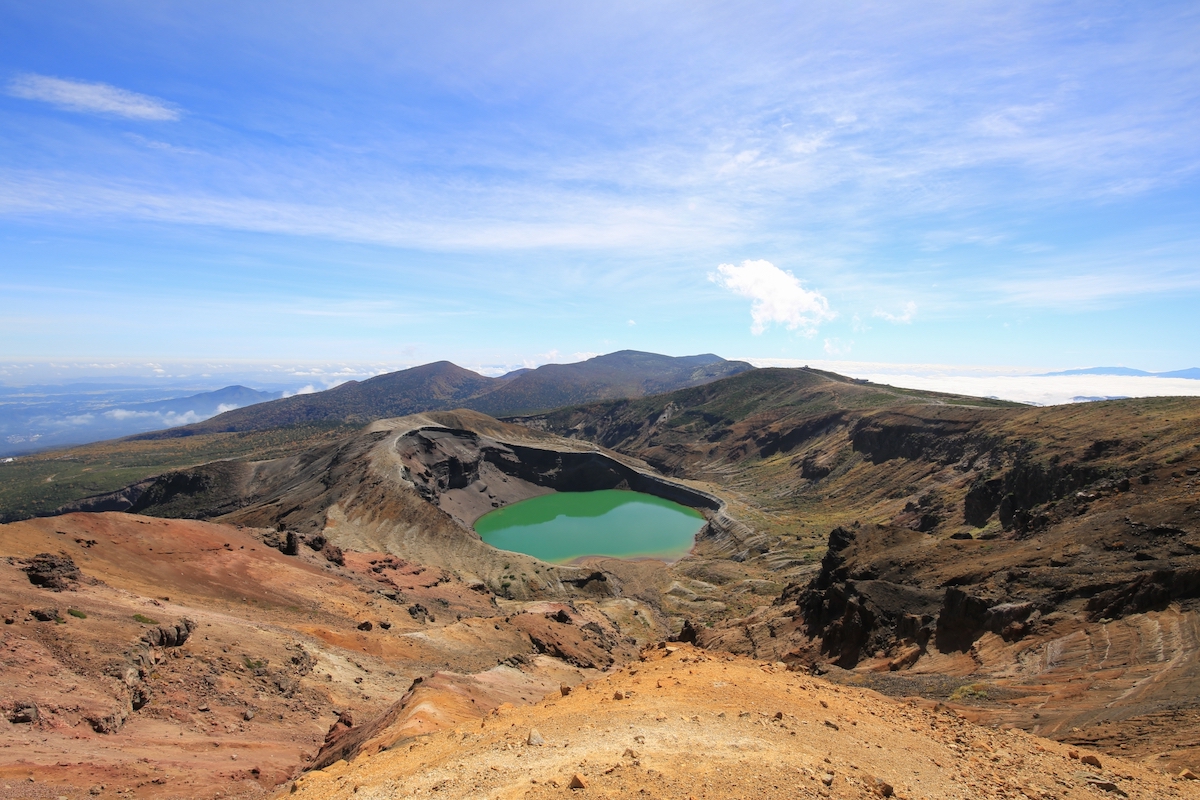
97	98
308	389
777	295
903	318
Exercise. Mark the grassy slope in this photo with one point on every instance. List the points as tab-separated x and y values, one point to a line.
37	484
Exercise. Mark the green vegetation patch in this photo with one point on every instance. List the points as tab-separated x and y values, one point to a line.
142	618
970	692
75	612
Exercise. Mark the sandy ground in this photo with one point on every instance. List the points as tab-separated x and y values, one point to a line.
690	724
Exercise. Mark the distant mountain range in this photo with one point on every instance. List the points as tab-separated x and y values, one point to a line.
443	385
1193	373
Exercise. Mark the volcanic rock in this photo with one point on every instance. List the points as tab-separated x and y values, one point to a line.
24	713
52	572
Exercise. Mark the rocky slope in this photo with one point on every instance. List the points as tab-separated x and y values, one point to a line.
684	723
1015	556
1033	567
170	658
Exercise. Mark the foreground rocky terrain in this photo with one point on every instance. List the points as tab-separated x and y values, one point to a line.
169	658
686	723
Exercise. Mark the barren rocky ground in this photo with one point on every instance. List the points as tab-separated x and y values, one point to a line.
276	648
1033	569
687	723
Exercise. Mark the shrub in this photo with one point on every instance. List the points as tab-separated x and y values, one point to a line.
972	691
142	618
75	612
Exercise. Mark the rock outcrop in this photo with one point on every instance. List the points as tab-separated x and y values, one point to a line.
53	572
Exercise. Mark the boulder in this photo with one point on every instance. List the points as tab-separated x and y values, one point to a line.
24	713
333	554
52	572
687	633
291	544
170	635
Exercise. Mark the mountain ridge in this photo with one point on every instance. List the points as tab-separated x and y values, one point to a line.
1192	373
443	385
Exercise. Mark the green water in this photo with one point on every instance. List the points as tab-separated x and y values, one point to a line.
564	526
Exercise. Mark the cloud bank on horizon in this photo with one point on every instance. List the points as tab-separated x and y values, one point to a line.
1004	383
1004	182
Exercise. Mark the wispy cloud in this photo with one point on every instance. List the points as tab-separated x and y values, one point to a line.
495	218
777	295
167	419
836	347
94	98
903	318
1091	289
897	154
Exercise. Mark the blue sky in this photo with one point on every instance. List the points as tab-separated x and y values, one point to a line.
506	184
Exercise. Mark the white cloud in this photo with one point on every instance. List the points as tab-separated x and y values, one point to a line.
777	294
632	323
167	419
903	318
836	347
98	98
308	389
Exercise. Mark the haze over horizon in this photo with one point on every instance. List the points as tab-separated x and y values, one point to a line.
358	190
